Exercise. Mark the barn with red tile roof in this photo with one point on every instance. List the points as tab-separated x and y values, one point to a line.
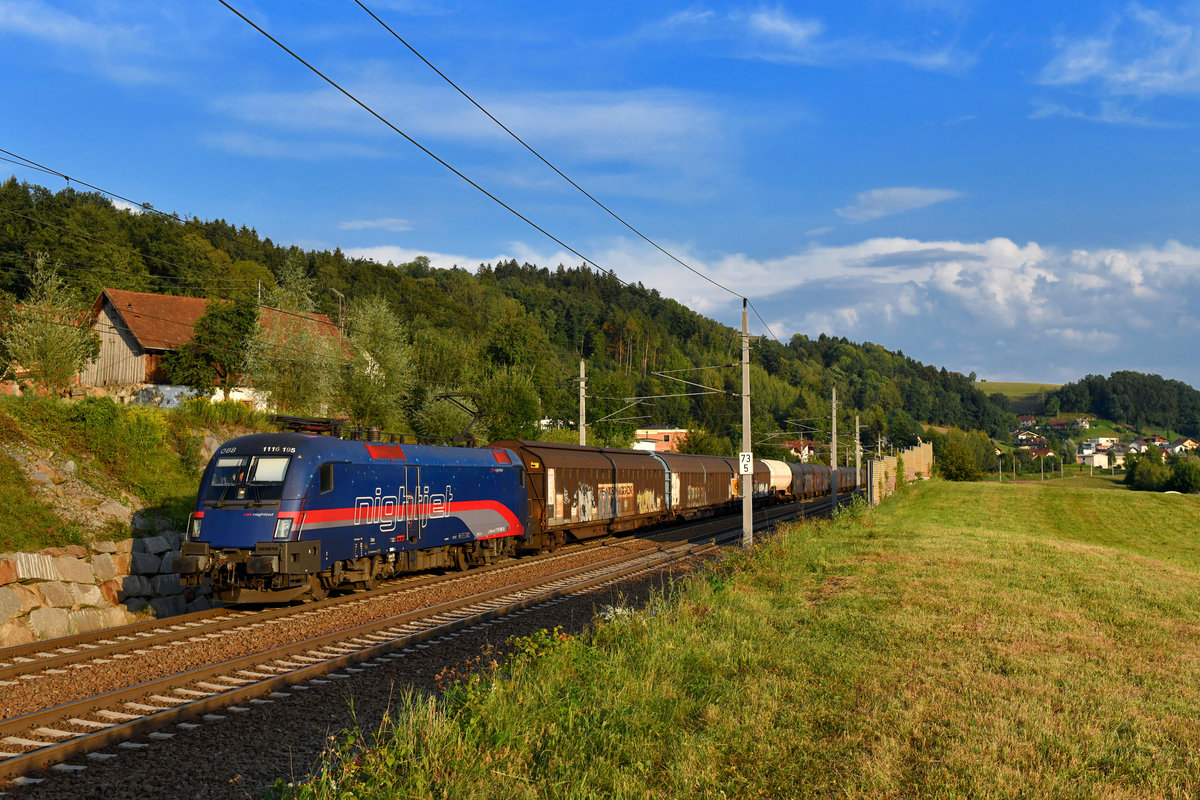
137	329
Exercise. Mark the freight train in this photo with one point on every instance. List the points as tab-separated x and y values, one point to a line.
282	516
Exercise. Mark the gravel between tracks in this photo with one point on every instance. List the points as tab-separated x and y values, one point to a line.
53	689
241	755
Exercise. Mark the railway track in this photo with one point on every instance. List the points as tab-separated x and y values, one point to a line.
86	725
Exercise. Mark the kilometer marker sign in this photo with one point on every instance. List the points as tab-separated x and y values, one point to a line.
745	463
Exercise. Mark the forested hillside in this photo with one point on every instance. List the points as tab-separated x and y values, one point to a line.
512	333
1133	398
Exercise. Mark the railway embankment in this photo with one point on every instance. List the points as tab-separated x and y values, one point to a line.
962	640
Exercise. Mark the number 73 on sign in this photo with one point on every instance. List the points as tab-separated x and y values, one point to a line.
745	463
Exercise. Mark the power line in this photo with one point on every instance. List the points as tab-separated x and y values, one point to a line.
559	172
433	155
29	163
413	141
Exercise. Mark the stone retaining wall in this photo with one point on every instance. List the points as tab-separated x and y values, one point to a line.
61	591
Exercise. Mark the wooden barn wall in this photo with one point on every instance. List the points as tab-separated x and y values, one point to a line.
121	360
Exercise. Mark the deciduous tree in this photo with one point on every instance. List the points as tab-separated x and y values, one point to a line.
47	336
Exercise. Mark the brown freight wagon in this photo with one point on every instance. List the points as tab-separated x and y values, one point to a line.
582	492
699	485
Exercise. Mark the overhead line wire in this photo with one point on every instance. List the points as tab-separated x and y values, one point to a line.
417	144
559	172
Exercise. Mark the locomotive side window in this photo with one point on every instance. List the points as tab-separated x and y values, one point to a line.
326	478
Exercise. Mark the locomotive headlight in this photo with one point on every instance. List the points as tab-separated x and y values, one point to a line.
194	528
283	528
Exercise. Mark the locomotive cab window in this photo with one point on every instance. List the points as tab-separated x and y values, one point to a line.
255	478
325	478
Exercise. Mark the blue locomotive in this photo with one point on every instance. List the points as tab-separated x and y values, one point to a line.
284	515
288	515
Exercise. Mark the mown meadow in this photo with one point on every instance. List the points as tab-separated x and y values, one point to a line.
964	640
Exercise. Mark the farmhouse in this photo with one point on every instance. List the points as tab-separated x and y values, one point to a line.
137	329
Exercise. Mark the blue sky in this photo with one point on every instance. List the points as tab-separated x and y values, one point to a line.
1005	188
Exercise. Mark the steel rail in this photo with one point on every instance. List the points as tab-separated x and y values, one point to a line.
266	673
22	660
65	651
253	676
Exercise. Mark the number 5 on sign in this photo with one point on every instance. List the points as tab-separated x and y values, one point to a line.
745	463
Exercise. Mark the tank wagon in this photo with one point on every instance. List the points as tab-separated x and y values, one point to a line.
289	515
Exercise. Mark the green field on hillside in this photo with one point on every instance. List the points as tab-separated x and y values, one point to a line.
1024	397
964	640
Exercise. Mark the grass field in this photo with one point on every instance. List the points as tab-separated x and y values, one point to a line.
963	641
1022	396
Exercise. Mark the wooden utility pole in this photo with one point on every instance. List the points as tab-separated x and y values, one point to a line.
747	469
582	402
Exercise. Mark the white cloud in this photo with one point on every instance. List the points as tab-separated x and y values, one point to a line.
774	34
403	255
1109	112
1097	340
40	21
1059	313
100	39
777	24
650	127
123	206
1139	52
819	231
394	224
883	202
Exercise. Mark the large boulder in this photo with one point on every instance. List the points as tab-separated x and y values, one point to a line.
168	561
134	586
171	606
15	632
85	620
10	604
152	544
57	594
166	585
146	563
89	595
74	570
35	567
104	566
49	623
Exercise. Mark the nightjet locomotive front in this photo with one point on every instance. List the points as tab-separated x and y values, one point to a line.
280	516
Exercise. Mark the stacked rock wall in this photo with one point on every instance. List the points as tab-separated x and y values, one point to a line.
61	591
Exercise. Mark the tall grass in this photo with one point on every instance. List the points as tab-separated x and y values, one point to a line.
964	640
